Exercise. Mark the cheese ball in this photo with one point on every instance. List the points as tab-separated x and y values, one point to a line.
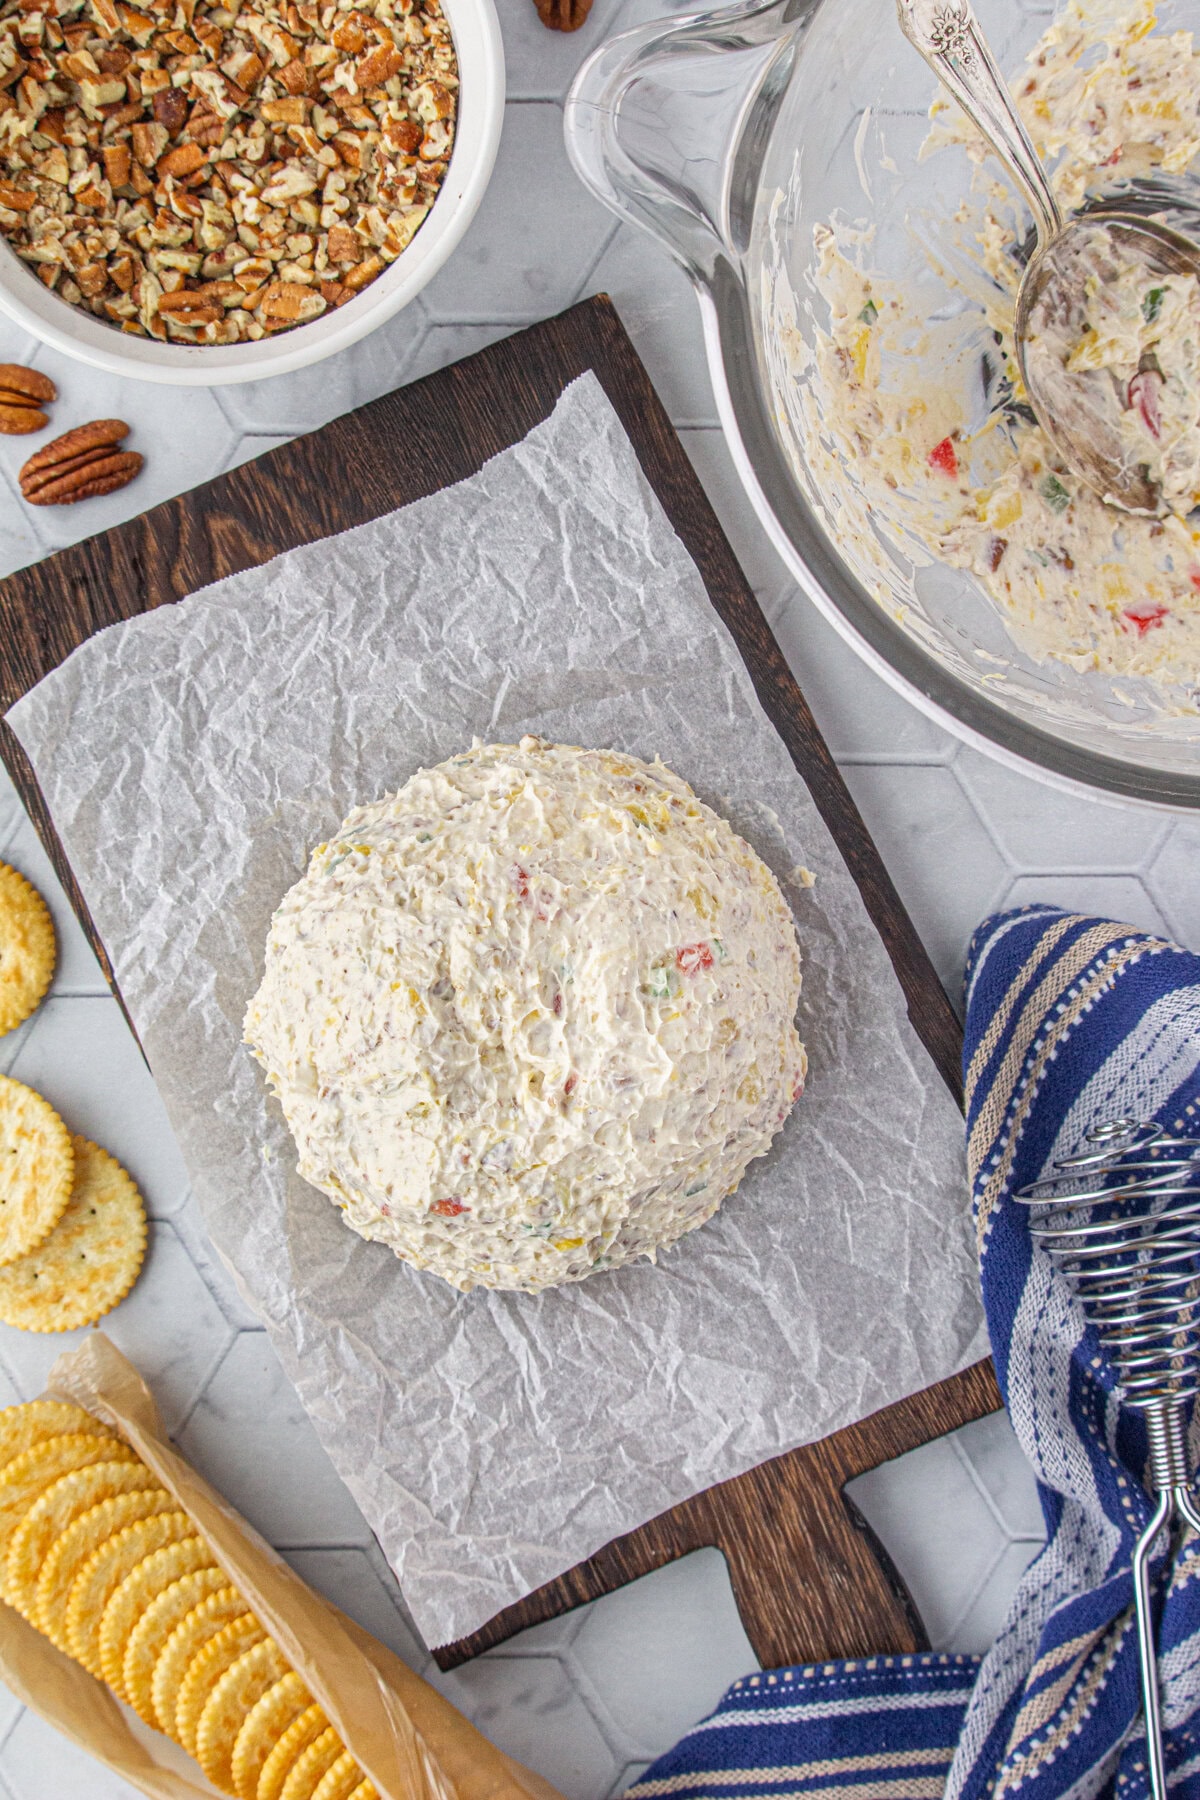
532	1016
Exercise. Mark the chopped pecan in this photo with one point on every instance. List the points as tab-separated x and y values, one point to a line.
170	109
287	147
79	465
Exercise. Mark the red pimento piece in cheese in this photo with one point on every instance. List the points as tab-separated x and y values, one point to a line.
449	1209
1144	618
1143	396
692	958
944	456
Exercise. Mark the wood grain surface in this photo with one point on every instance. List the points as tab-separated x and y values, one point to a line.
808	1579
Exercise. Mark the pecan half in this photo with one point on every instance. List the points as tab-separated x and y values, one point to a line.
80	464
563	15
23	393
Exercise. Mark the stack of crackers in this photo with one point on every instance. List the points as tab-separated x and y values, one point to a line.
102	1559
72	1224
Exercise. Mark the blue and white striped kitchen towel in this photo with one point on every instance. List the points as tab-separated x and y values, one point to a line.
1070	1022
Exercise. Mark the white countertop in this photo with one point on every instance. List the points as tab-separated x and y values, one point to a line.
590	1699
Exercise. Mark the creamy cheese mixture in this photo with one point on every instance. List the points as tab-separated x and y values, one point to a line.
1138	339
1076	580
532	1016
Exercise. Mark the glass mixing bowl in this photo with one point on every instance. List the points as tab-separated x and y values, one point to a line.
730	136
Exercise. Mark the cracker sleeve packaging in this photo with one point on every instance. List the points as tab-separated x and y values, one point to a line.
410	1741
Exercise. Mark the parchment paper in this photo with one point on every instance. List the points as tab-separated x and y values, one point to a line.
192	757
412	1743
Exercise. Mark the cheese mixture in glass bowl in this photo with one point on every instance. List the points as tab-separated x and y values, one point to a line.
885	265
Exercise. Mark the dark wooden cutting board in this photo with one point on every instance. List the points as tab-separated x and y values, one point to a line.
810	1580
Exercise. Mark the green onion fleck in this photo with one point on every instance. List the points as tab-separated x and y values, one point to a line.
869	313
1054	494
661	983
1152	304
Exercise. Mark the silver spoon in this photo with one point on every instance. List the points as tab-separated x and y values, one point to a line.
1079	415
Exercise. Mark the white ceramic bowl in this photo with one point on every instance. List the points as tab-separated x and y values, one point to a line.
476	32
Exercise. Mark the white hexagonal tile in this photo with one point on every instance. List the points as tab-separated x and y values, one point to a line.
976	1629
11	810
938	1529
946	868
658	309
709	456
38	1762
249	1434
1042	827
76	971
81	1054
189	1227
530	246
10	1395
1120	897
366	1590
646	12
860	716
1001	1470
446	344
308	398
659	1653
168	1326
1172	879
540	64
528	1707
183	435
21	543
247	448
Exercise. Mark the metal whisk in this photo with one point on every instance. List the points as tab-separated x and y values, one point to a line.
1121	1218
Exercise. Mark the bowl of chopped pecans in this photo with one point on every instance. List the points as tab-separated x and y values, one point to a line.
201	193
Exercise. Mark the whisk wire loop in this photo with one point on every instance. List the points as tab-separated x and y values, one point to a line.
1120	1219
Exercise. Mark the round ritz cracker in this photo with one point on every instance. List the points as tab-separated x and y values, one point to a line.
90	1259
311	1765
25	1479
149	1636
206	1619
33	1421
206	1669
105	1570
244	1683
366	1790
302	1732
26	948
70	1553
339	1780
262	1728
130	1599
37	1167
56	1507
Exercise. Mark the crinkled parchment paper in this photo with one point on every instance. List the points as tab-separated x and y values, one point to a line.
191	758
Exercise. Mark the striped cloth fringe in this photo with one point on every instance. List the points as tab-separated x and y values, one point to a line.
1071	1021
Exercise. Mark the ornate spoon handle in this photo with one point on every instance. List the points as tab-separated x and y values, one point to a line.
947	34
